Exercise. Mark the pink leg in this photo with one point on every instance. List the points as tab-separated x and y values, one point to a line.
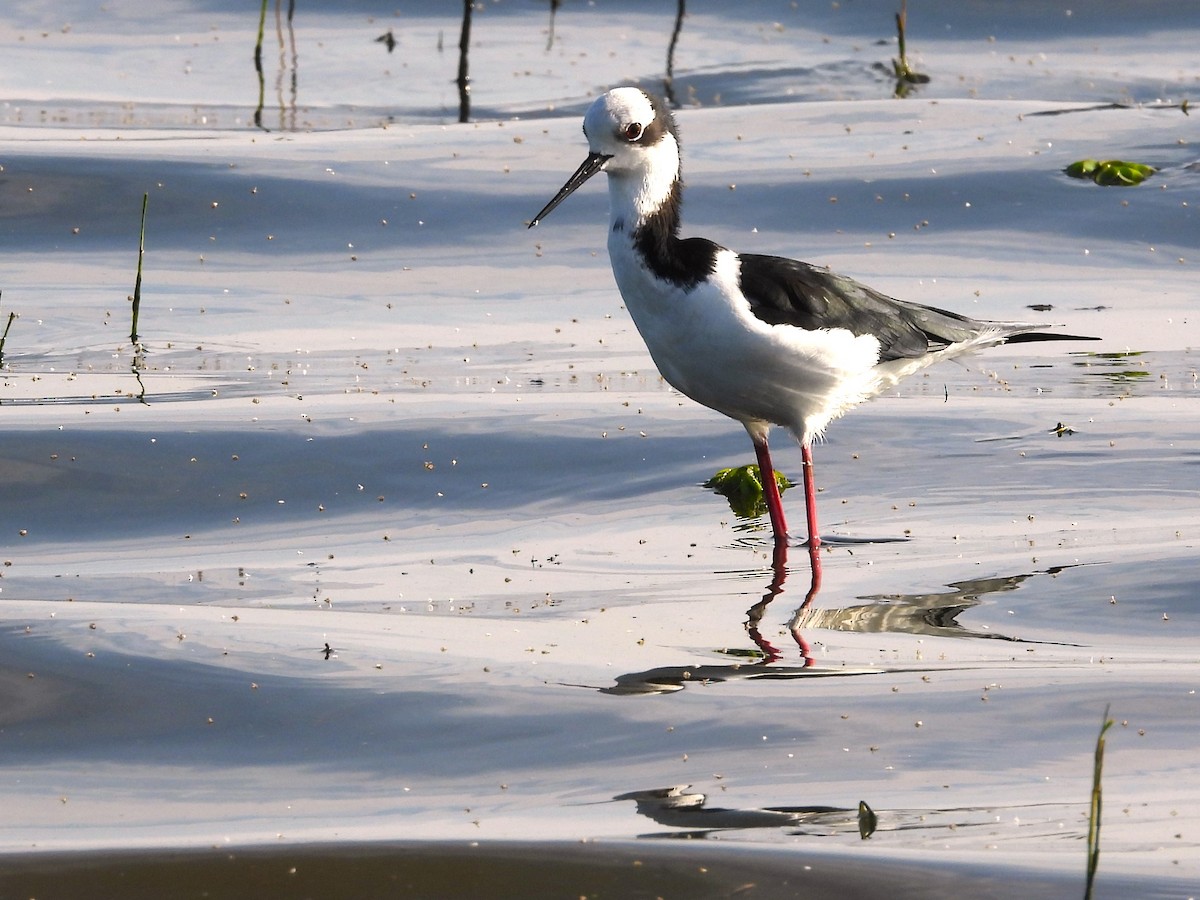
755	613
810	497
770	490
814	587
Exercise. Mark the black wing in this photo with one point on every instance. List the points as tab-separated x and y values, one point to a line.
789	292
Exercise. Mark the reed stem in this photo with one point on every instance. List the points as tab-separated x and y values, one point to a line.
1094	813
137	284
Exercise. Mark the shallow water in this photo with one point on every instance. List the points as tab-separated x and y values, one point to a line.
392	543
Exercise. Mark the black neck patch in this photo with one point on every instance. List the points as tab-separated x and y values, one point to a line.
683	263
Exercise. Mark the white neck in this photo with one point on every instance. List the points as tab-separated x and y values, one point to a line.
637	192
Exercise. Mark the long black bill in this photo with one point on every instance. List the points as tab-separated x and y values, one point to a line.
593	164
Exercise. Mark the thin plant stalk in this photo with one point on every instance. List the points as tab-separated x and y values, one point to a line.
1094	813
905	76
901	23
137	284
4	337
554	4
464	77
669	81
258	64
262	24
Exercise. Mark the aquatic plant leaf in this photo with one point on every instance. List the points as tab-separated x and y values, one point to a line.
742	487
1110	172
1082	168
1120	173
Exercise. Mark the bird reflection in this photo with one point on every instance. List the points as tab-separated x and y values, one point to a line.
927	614
675	807
764	663
779	572
933	614
682	808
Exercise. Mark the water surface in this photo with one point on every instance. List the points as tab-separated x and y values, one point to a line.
388	559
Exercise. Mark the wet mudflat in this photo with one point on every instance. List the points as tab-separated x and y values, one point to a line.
388	560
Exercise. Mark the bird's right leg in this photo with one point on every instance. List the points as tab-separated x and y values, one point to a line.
810	497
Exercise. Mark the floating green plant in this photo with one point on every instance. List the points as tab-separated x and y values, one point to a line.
1110	172
1094	812
743	488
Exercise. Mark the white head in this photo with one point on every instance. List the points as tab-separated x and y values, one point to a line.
633	129
632	138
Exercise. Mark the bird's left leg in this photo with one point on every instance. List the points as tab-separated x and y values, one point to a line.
770	488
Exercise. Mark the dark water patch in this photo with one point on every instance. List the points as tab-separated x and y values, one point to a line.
532	871
236	213
79	483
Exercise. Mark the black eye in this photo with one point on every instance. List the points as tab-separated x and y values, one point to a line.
633	131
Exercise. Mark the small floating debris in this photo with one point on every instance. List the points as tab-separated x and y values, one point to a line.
388	38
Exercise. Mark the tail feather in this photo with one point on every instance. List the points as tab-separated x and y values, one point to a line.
1026	337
